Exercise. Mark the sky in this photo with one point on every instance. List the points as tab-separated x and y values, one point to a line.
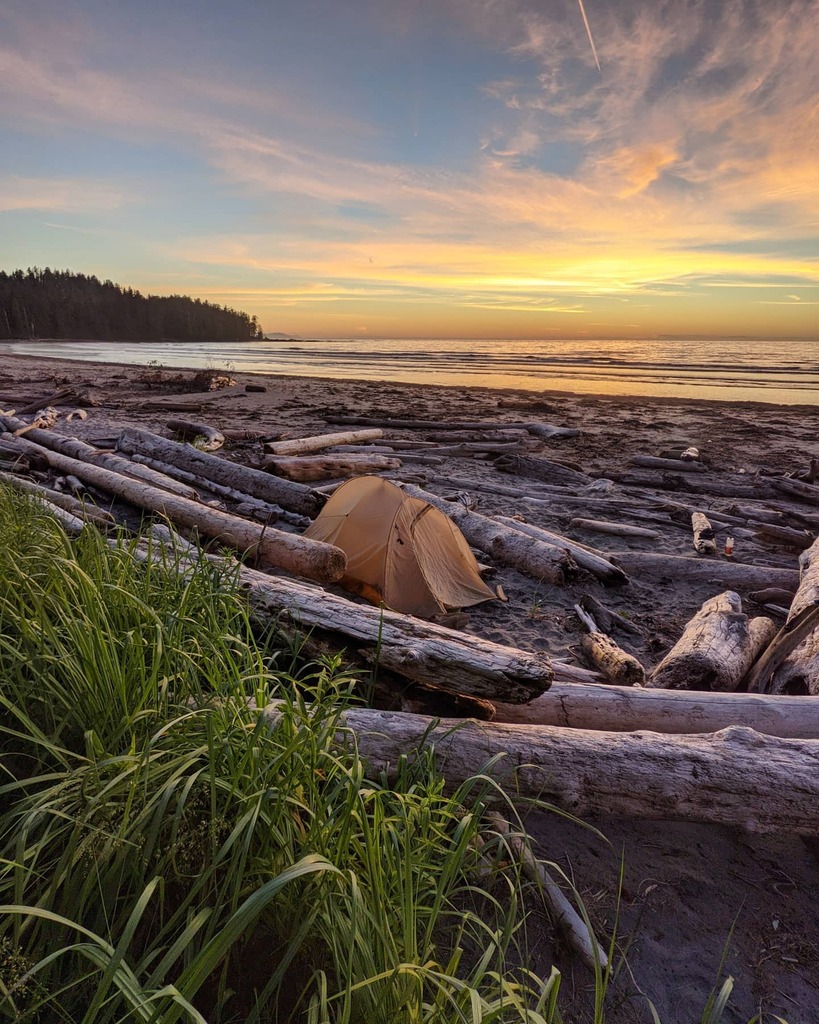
424	168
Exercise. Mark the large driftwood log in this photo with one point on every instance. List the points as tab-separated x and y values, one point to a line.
587	558
798	672
327	467
542	469
544	430
717	648
290	495
410	647
708	778
726	573
299	555
208	438
629	709
508	545
319	442
83	509
696	484
797	489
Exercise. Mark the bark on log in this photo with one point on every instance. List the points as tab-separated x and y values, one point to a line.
585	557
629	709
506	544
737	575
717	648
317	443
542	469
713	778
327	467
418	650
544	430
254	482
704	541
614	529
299	555
799	671
210	439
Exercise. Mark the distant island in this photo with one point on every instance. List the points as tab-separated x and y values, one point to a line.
47	303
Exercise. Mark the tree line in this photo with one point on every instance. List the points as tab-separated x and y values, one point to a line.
45	303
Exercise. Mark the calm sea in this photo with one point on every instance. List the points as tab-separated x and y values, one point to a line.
761	371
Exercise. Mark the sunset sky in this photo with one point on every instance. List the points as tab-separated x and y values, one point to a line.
424	168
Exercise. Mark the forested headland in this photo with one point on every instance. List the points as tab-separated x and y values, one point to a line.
38	303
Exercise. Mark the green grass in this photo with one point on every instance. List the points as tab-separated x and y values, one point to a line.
167	856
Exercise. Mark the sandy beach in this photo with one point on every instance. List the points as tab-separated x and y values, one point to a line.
690	893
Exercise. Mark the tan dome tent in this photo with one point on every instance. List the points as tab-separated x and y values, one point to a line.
400	550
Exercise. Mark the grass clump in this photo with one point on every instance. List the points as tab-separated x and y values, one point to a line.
166	855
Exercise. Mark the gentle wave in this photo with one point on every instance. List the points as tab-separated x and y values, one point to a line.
766	371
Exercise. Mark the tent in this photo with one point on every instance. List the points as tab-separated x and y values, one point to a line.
401	551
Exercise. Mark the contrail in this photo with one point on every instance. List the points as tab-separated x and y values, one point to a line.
588	33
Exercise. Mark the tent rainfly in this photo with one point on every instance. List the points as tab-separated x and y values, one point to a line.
401	551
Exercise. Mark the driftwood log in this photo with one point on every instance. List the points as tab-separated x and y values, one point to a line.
615	529
704	539
319	442
293	496
714	777
629	709
617	665
207	438
677	465
299	555
698	484
543	430
585	557
798	671
506	544
327	467
724	572
542	469
797	489
717	648
421	651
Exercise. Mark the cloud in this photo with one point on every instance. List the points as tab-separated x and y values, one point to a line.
63	195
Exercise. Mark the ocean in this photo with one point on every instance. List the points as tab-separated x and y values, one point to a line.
784	372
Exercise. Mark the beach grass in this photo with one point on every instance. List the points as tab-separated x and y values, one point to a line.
166	855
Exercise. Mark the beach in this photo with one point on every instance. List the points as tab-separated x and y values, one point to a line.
689	892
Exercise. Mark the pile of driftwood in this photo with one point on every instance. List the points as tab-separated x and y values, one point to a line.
744	751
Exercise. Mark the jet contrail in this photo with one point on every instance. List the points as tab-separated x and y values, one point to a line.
588	33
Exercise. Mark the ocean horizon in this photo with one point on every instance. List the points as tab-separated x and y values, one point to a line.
780	372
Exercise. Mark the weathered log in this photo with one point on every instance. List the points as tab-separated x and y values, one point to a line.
506	544
675	465
629	709
418	650
708	778
618	666
704	540
585	557
717	648
772	595
605	617
545	430
799	539
327	467
319	442
614	529
797	488
254	482
42	420
725	572
695	484
206	437
299	555
798	672
542	469
81	509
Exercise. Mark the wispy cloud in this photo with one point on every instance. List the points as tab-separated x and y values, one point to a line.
60	195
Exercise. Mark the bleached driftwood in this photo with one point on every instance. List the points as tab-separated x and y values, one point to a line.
319	442
717	647
326	467
508	545
798	672
299	555
207	438
614	529
258	484
629	709
545	430
41	420
714	777
617	665
725	572
418	650
587	558
704	542
82	509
